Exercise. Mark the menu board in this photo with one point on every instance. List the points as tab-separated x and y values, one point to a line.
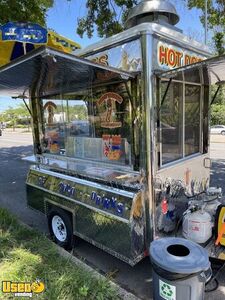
94	149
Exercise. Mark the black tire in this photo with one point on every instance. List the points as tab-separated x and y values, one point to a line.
68	242
223	132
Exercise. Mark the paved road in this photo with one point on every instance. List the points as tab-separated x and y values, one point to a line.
14	146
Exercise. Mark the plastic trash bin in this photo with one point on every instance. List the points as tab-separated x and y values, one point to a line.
180	269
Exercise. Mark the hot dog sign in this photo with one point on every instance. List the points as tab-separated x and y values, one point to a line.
170	56
108	117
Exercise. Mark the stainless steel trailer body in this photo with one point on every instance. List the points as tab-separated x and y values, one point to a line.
121	139
154	48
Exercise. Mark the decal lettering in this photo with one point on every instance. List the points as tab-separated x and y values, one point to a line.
172	57
103	60
65	188
108	203
42	180
120	208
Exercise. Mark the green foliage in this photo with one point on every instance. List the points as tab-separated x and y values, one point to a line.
216	20
24	10
219	42
218	114
26	255
78	112
17	114
16	117
107	15
218	107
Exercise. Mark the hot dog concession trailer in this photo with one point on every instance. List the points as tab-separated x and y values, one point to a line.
121	135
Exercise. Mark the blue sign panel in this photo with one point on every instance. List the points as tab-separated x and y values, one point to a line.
24	32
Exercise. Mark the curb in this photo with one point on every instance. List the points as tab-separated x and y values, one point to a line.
120	291
125	295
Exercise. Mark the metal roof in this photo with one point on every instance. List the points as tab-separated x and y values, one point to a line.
46	72
151	7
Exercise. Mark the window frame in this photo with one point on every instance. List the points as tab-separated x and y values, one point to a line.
133	166
184	157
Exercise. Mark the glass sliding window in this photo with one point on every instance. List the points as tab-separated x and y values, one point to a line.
191	76
172	122
93	126
192	119
54	126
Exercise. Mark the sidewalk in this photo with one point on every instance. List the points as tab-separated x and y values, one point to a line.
20	130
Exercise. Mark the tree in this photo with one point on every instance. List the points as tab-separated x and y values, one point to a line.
16	116
216	20
107	15
24	10
218	114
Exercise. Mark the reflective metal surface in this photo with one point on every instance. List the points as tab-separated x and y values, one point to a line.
154	9
110	219
45	72
126	57
114	201
162	32
123	229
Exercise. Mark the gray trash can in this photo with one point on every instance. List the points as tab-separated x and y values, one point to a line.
180	269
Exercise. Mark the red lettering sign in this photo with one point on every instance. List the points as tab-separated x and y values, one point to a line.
173	58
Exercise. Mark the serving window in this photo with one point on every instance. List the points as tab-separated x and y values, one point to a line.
94	126
179	120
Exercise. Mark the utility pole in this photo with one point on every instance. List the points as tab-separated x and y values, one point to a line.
206	21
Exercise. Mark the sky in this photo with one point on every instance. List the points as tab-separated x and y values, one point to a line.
62	17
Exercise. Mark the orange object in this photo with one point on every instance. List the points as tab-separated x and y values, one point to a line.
220	234
164	206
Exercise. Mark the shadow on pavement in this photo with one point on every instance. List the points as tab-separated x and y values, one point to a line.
20	151
13	174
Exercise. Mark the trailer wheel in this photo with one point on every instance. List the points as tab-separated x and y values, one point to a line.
60	228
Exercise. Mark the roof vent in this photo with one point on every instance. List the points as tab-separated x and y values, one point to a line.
160	11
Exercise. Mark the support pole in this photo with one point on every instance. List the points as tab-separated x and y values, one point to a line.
206	22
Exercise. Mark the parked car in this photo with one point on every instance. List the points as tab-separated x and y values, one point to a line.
218	129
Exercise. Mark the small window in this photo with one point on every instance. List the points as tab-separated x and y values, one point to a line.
180	121
171	123
192	118
192	76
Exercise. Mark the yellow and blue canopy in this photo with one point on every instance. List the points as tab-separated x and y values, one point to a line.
18	38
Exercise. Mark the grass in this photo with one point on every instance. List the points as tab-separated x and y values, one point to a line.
26	255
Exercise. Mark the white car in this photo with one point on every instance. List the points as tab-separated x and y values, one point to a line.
218	129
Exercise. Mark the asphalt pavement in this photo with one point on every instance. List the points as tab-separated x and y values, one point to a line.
13	170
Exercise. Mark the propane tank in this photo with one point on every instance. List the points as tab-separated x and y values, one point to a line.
197	226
